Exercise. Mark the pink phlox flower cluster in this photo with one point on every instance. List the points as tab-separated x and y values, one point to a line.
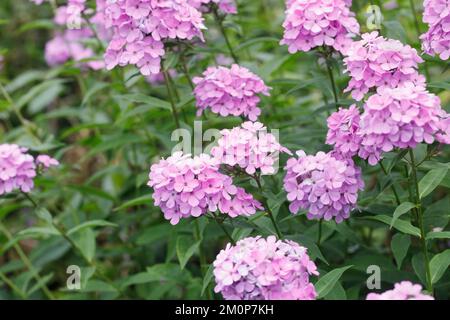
250	147
70	42
186	186
326	185
375	62
312	23
404	290
18	168
141	26
436	41
225	6
398	118
343	127
443	134
260	269
229	91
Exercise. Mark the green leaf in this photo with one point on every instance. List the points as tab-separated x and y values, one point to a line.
439	264
328	281
431	180
153	234
37	24
147	199
438	235
184	251
91	224
44	214
337	293
148	100
401	210
400	244
85	241
207	279
400	225
143	277
418	263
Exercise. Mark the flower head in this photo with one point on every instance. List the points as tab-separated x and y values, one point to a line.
249	147
229	91
398	118
324	184
187	186
264	269
436	41
343	127
18	168
404	290
313	23
140	28
375	62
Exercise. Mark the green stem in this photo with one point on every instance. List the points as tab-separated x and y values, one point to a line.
268	210
420	223
319	235
198	237
186	70
224	34
172	102
13	286
397	198
27	262
333	83
220	223
64	234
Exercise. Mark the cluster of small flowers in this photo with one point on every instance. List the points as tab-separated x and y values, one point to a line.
140	28
398	118
343	127
376	62
229	91
18	168
187	186
324	184
69	44
437	39
404	290
260	269
313	23
225	6
250	147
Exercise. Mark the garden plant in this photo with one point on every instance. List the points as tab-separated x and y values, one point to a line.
225	149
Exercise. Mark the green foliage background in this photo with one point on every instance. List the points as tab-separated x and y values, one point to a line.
107	128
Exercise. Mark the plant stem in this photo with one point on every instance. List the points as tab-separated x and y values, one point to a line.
397	198
172	102
266	206
219	20
186	70
27	262
13	286
220	223
420	223
198	237
333	83
319	236
64	234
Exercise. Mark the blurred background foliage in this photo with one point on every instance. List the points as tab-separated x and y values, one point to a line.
107	128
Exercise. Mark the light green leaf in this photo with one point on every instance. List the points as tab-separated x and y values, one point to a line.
400	244
400	225
184	251
438	235
91	224
147	199
401	210
439	264
207	279
327	282
431	180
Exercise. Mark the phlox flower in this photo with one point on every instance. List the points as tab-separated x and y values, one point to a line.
229	91
264	269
